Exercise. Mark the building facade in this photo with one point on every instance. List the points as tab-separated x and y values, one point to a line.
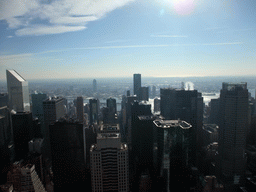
18	92
80	109
232	131
171	145
109	163
136	83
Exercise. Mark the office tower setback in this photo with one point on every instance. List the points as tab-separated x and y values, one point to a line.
68	154
24	178
94	111
80	109
94	85
136	83
109	163
143	94
232	132
17	91
171	144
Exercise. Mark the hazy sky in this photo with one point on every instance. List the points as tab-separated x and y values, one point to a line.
115	38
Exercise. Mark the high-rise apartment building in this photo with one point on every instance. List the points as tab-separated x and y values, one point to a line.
109	163
18	91
136	83
232	131
80	109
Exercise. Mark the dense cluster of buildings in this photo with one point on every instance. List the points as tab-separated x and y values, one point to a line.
179	145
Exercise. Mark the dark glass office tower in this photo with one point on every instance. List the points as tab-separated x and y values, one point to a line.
94	111
136	83
22	125
182	104
171	144
68	158
232	132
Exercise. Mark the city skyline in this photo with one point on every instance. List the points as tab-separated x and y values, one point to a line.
168	38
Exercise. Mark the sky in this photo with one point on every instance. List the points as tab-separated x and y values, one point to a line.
44	39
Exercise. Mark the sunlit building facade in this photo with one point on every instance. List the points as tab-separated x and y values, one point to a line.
18	91
109	163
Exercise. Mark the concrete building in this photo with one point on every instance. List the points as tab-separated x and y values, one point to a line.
18	92
109	163
232	132
24	178
136	83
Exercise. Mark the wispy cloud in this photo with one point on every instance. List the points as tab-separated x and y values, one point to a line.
45	30
170	36
58	16
144	46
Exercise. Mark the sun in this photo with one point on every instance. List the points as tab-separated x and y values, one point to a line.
183	7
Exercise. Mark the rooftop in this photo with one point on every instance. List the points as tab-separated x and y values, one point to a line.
108	135
16	75
109	127
172	123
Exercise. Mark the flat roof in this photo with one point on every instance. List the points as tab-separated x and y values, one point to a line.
16	75
172	123
108	135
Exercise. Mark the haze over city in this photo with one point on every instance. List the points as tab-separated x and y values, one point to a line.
92	39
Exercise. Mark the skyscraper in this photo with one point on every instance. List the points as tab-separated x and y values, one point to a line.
171	151
18	91
54	109
94	110
37	105
68	154
23	132
232	131
143	94
136	83
182	104
94	85
109	163
80	109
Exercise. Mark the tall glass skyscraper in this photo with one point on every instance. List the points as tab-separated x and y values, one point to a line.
18	91
232	132
136	83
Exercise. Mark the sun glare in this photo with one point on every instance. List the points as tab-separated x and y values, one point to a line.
183	7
